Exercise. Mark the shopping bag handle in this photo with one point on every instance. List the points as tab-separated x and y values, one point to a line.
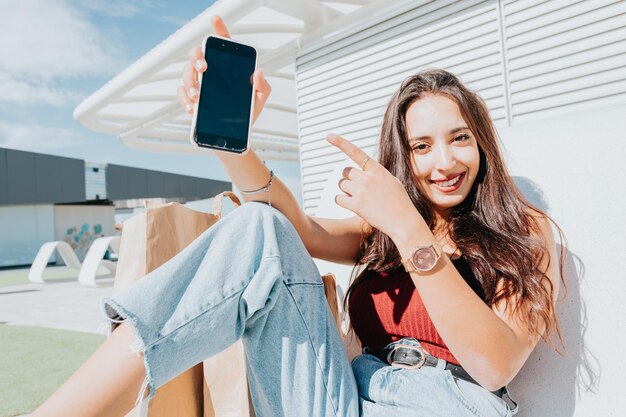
219	199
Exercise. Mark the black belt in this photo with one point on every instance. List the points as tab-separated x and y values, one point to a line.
409	356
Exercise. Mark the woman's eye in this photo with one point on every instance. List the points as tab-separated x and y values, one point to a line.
420	147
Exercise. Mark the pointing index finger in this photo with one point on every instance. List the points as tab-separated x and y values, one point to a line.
355	153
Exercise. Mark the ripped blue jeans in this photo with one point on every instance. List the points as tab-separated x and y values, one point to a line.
250	277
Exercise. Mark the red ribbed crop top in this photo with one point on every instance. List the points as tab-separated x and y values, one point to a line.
385	307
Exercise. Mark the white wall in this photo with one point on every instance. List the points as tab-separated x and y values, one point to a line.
575	163
23	229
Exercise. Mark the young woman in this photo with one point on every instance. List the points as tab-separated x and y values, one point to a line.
461	279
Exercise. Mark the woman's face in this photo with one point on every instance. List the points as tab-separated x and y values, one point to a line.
445	157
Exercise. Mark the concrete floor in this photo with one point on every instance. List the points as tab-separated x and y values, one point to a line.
59	304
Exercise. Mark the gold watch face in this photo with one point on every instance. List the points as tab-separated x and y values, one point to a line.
424	259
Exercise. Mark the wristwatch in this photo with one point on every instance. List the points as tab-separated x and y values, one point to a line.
423	259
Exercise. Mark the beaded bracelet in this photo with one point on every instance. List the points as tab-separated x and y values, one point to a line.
265	187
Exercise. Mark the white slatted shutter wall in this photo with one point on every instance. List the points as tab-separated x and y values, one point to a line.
527	58
344	86
564	55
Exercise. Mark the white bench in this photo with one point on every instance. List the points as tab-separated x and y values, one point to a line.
93	266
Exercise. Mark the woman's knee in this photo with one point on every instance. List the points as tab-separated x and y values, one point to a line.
255	213
253	210
256	218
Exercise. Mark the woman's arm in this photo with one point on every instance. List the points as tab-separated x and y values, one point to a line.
490	343
333	240
329	239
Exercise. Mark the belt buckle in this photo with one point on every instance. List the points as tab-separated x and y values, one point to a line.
418	365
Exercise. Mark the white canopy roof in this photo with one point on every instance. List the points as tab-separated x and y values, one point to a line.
140	105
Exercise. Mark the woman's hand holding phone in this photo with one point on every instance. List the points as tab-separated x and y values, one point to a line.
188	93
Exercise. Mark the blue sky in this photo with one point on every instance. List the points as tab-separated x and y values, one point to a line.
54	53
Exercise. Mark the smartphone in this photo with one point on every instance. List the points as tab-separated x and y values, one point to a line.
222	116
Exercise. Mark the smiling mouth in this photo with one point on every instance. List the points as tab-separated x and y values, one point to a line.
449	185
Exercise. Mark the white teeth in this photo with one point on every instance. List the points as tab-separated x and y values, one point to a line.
449	183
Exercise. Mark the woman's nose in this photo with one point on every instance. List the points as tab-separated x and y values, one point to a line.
445	158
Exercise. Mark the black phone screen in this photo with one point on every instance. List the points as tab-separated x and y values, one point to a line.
223	115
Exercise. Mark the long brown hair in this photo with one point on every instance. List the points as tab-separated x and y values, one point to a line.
492	227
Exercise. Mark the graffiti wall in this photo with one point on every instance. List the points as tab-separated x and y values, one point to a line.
79	226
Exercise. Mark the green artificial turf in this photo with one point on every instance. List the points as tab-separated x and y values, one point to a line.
35	361
20	276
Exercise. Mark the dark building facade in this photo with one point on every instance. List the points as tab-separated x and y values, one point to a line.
31	178
123	183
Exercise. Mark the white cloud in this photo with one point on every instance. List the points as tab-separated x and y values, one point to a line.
172	19
30	92
37	138
112	8
119	8
46	41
